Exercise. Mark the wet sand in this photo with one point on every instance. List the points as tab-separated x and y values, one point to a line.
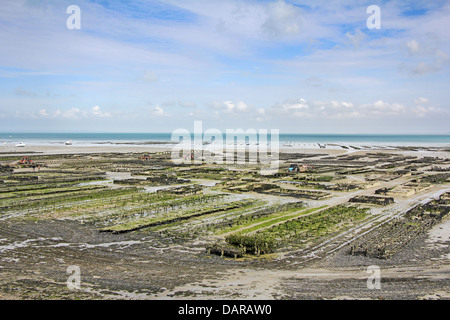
132	148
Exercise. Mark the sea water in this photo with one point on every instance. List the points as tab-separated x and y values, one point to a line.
164	139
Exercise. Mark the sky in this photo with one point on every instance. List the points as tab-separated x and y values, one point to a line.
310	66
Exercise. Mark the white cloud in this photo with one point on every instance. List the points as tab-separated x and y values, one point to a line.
43	113
421	100
241	106
73	113
150	76
282	19
413	47
335	109
421	111
231	107
187	104
382	108
315	109
356	38
204	48
261	111
232	25
98	113
340	105
425	58
158	111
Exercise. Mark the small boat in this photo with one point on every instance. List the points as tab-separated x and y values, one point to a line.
68	143
21	144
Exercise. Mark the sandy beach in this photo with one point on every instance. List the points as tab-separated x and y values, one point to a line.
299	148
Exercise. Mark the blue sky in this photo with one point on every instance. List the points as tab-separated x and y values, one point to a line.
155	66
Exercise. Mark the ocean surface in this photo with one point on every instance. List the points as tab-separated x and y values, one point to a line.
164	139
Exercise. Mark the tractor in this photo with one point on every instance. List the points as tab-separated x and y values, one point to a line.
26	160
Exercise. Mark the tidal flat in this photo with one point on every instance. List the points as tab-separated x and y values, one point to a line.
138	226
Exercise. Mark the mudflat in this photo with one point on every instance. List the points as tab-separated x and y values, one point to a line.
137	226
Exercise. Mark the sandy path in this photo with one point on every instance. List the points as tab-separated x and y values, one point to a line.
267	284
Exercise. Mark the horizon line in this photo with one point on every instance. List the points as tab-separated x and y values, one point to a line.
283	133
